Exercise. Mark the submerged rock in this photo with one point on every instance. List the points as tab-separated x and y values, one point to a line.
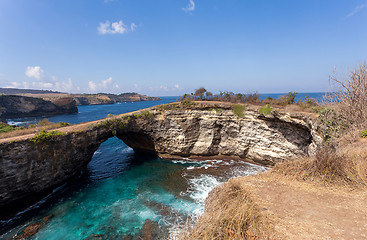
150	231
33	228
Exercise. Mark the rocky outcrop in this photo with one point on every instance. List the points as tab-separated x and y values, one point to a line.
28	167
205	130
95	99
20	106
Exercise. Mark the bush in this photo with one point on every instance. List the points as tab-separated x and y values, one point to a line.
331	123
238	110
187	103
252	98
287	99
266	110
63	124
6	128
363	134
350	97
44	136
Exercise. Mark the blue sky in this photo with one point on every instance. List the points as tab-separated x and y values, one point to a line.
169	47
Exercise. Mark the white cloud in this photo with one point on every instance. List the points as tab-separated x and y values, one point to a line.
107	84
35	72
357	9
190	7
115	27
164	88
92	86
44	81
133	26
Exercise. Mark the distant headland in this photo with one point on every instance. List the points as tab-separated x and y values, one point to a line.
30	102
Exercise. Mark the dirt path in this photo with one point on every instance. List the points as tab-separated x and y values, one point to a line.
305	211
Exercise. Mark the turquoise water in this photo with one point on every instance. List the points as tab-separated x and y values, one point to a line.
119	189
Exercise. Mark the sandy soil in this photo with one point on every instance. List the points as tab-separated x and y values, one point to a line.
303	210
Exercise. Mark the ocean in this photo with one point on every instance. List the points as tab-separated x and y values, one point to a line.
119	190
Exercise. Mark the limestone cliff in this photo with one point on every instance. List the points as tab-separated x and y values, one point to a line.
203	130
28	167
20	106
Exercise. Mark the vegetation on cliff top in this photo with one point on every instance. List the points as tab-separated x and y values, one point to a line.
7	131
286	101
343	124
342	160
45	136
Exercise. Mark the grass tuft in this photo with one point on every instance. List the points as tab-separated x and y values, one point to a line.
266	110
238	109
230	213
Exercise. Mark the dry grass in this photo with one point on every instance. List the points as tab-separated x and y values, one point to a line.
42	125
231	212
347	166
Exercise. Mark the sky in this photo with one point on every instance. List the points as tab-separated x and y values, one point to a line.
171	47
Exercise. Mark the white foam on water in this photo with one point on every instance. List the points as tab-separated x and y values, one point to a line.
127	150
200	187
16	123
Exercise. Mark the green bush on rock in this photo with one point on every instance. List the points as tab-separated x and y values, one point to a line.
44	136
238	110
266	110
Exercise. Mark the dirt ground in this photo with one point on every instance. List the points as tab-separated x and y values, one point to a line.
303	210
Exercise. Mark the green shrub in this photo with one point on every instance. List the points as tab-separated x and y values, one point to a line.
187	103
363	133
332	124
266	110
63	124
110	115
44	136
6	128
287	99
218	110
147	114
238	110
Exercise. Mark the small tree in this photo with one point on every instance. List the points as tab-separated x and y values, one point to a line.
200	93
350	95
209	95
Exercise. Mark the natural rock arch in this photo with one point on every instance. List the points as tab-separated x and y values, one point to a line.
28	168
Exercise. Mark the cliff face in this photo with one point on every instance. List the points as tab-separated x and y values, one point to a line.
95	99
219	132
20	106
28	167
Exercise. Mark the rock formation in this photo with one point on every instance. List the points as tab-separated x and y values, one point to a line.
20	106
211	130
